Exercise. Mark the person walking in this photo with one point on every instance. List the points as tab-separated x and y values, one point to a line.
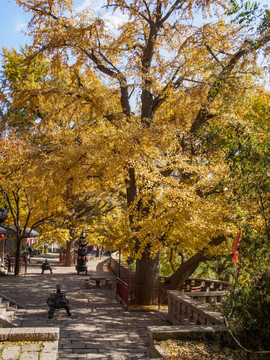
30	252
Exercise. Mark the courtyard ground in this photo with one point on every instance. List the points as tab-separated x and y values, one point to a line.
99	327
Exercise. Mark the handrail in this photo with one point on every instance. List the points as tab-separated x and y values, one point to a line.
182	309
129	293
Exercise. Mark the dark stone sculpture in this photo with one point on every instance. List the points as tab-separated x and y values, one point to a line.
46	266
57	300
82	254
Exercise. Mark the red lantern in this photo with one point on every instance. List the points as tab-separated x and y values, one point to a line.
2	236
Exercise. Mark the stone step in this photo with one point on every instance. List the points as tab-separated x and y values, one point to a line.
13	302
3	269
6	322
7	313
10	314
18	318
4	305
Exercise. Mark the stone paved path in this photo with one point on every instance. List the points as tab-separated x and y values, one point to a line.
99	327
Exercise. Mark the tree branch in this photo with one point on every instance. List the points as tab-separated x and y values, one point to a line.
247	47
211	52
176	6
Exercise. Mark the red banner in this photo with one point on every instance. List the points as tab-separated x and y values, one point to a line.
235	251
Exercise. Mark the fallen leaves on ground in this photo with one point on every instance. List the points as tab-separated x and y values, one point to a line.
199	350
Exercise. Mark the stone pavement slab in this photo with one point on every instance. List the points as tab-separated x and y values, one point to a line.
29	343
11	352
99	327
29	351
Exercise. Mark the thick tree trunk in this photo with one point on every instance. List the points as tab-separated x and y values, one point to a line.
147	268
186	269
147	275
69	253
70	248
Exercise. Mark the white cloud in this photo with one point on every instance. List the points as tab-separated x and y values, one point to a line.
112	19
115	19
20	26
83	5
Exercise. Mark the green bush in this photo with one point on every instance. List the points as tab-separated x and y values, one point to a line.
248	310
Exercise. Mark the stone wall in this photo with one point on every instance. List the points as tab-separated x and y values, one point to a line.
184	310
157	333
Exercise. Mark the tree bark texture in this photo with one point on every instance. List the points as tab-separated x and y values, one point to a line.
70	248
188	267
147	268
69	253
147	275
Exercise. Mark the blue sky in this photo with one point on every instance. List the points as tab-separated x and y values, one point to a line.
13	20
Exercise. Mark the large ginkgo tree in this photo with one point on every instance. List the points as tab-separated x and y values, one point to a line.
166	70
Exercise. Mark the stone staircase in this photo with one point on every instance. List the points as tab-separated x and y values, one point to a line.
3	269
8	309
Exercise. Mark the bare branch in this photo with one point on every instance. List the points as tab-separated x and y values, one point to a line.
131	9
176	6
148	11
41	221
211	52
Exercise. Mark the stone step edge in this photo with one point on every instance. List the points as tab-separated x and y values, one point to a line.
182	331
12	302
6	322
29	334
18	317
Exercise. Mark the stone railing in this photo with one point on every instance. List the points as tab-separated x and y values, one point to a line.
207	297
125	271
184	310
208	284
190	314
203	284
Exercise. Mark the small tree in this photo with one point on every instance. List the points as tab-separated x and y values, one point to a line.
24	185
